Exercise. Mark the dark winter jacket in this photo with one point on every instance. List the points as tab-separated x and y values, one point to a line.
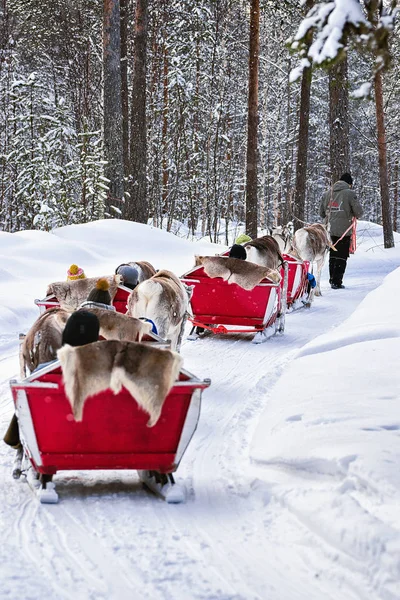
341	205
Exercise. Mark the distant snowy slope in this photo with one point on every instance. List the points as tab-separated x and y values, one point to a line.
30	260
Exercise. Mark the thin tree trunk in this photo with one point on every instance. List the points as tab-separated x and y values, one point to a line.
395	193
137	208
388	240
339	120
302	146
113	147
165	171
124	84
252	126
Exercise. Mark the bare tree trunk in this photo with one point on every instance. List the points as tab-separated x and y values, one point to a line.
113	147
302	145
165	171
339	119
252	126
388	240
137	208
395	193
124	84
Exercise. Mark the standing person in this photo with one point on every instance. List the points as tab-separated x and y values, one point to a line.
339	205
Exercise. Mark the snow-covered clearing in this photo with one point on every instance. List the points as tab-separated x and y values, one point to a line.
292	475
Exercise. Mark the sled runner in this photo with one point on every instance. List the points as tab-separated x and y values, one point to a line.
221	307
297	284
113	433
120	300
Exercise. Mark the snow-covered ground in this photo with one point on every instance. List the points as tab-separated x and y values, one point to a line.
292	475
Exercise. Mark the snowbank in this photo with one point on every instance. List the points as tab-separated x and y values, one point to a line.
329	440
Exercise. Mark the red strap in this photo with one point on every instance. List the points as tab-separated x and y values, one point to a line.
348	229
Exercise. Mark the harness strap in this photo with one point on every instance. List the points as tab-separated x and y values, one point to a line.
153	325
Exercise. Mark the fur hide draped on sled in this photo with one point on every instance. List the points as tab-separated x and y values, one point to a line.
44	338
71	294
245	274
148	373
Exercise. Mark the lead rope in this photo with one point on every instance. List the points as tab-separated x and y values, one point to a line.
348	229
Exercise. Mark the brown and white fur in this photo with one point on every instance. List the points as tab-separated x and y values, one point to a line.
148	373
311	243
283	234
145	269
43	339
165	300
264	251
116	326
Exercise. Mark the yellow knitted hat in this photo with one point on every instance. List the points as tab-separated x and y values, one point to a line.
242	238
74	272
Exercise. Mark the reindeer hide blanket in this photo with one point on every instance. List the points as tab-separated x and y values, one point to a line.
116	326
147	373
245	274
71	294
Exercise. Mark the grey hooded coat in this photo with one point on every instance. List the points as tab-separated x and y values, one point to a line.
341	205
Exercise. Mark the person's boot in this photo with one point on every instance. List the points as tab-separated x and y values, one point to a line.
337	276
332	265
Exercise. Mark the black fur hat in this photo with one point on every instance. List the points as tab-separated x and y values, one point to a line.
237	251
81	328
100	293
129	274
347	178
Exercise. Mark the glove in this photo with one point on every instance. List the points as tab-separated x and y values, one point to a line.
311	280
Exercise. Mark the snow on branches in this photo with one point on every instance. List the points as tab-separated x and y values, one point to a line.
367	23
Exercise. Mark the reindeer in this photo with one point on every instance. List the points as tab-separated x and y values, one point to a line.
264	251
165	300
311	243
283	234
42	341
44	338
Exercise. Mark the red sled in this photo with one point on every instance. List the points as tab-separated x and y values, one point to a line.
112	435
221	307
120	301
297	294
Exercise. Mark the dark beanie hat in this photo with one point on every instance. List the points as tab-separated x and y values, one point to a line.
237	251
130	275
81	328
100	293
347	178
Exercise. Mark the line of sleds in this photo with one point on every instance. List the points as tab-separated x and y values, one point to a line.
114	432
220	306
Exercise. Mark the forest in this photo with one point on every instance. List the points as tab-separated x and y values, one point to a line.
198	112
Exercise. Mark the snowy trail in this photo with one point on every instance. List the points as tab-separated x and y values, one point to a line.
233	540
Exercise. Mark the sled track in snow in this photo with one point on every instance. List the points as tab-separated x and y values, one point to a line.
216	546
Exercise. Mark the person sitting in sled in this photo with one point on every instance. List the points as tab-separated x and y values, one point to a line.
237	251
75	272
81	328
130	275
99	297
242	238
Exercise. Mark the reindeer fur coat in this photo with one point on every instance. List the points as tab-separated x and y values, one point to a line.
148	373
